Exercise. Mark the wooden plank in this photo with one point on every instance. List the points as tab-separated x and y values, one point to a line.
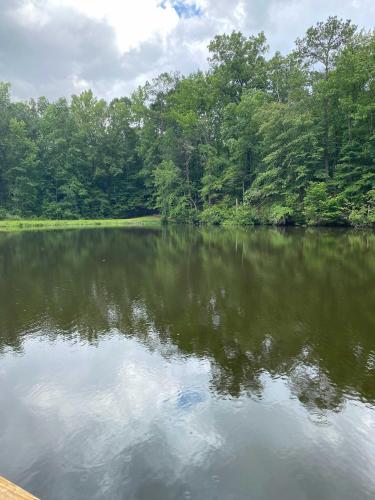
9	491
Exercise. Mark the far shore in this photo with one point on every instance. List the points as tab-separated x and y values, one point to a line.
34	224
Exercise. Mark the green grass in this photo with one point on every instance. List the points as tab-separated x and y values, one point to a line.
33	224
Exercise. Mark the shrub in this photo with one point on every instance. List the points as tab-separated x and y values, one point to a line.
320	208
364	215
243	215
213	214
183	212
280	215
5	215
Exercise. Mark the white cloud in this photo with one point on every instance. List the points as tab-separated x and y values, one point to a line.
56	47
134	22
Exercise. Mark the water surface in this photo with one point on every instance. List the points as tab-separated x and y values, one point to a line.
188	363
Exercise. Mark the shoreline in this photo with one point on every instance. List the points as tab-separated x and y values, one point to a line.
11	226
7	226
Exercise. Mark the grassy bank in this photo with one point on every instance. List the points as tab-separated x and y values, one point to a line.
34	224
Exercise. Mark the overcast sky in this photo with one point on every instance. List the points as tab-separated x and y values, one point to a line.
59	47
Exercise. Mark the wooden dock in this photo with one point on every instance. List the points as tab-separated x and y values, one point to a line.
9	491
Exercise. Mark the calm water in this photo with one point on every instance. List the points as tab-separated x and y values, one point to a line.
188	364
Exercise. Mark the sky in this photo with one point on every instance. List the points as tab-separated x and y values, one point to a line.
61	47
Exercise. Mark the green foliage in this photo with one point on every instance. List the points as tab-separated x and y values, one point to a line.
242	215
320	208
213	214
284	140
239	62
281	215
364	215
324	41
21	175
168	181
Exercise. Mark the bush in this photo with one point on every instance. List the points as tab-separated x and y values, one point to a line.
182	212
280	215
320	208
57	211
213	214
5	215
362	216
243	215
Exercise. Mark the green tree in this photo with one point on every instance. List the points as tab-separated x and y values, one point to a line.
239	63
21	174
169	185
319	207
321	45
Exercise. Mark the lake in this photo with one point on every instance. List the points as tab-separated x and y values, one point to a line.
188	363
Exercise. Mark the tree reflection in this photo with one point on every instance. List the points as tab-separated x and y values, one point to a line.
293	303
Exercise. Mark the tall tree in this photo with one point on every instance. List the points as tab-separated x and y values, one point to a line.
321	45
239	63
21	173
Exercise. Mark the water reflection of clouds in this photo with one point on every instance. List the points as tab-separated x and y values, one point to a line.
125	406
122	387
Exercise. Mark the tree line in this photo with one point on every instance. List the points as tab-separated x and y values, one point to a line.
287	139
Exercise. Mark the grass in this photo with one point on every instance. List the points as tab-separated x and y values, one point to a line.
34	224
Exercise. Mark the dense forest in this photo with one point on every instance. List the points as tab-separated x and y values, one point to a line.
287	139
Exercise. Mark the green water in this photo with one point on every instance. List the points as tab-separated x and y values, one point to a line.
187	363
